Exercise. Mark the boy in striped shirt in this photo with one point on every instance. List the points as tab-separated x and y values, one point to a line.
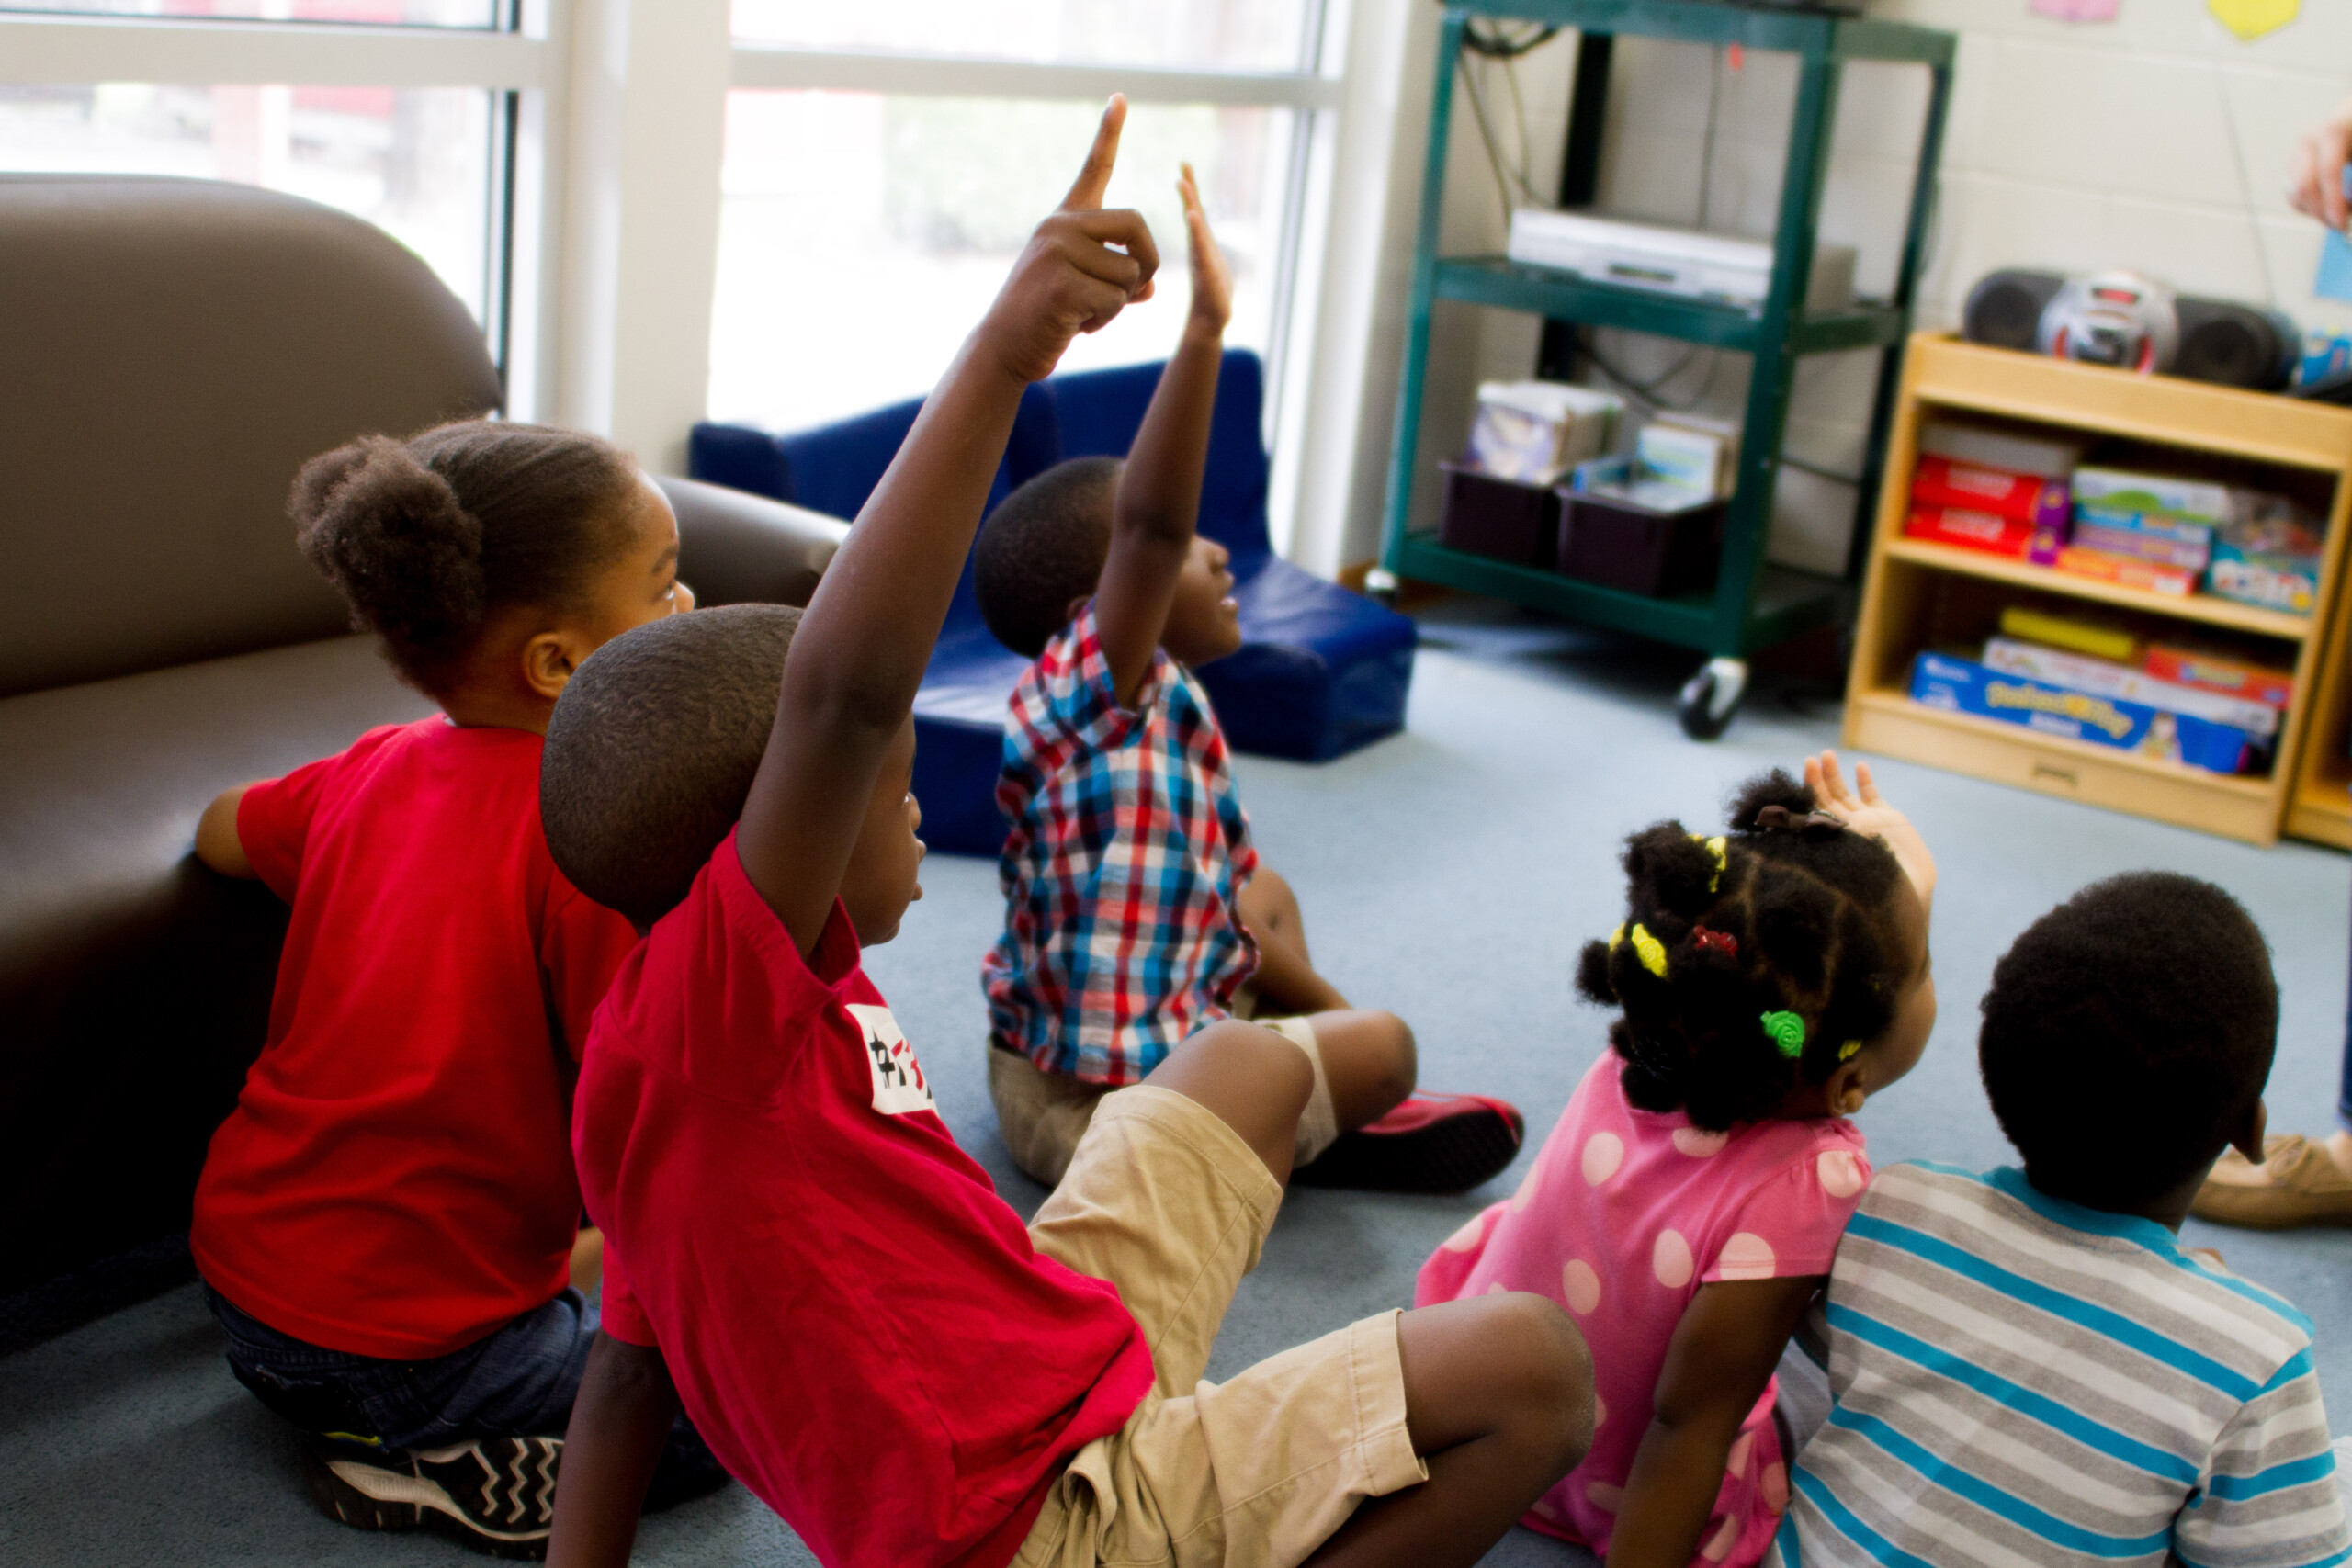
2027	1369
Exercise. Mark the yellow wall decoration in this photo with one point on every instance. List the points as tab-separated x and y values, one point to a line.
2252	18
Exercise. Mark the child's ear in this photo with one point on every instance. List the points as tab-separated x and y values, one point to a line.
2248	1139
549	660
1848	1087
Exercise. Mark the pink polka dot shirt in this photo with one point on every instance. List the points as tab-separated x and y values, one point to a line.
1625	1214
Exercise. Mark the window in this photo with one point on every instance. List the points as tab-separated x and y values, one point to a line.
402	112
848	280
416	162
394	13
884	165
1230	35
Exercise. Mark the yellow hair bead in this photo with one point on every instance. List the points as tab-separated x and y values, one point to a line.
1617	937
1650	950
1849	1049
1717	847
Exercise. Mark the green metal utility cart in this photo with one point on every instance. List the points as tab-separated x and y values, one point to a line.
1753	605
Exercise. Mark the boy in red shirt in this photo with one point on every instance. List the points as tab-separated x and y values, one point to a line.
802	1256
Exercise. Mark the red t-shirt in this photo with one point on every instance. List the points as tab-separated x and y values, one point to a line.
396	1178
855	1320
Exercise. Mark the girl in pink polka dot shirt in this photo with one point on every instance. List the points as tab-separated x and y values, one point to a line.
1686	1208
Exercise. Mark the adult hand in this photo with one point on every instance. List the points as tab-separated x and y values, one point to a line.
2315	177
1081	268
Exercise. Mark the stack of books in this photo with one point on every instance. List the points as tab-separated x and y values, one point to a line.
1986	489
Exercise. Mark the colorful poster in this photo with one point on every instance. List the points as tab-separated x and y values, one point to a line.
2252	18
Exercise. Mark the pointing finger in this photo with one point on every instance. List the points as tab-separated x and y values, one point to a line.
1094	176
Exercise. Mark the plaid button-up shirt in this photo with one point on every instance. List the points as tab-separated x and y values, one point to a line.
1128	848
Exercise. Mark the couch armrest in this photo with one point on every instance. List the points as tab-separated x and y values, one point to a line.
736	549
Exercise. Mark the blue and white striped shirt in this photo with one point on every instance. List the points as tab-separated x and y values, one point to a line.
2021	1382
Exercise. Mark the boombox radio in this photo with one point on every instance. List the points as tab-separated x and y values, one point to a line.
2130	321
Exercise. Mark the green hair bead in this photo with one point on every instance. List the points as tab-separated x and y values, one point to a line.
1787	1030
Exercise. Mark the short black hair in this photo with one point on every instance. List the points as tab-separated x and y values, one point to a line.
1042	547
651	750
2127	1035
1718	934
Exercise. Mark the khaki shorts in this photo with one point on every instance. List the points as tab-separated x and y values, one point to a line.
1042	1115
1164	1201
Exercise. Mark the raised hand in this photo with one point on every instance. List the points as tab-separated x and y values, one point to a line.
2315	175
1212	279
1865	811
1082	266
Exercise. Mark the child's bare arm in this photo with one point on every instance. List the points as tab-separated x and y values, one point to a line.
1723	1353
1160	490
619	1422
217	844
860	653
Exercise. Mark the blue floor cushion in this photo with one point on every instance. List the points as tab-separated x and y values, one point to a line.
1320	670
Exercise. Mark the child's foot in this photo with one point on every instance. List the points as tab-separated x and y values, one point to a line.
2298	1183
496	1495
1432	1143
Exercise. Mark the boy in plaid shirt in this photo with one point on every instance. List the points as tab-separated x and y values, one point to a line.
1136	909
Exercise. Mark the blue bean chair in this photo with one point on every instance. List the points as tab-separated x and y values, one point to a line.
1320	672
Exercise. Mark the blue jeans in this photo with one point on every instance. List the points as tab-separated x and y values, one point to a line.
517	1382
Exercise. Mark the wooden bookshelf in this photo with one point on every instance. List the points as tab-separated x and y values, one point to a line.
1916	594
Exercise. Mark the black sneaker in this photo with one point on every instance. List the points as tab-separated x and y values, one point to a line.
1431	1143
496	1495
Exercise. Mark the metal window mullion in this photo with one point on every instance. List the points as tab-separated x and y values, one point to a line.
215	52
772	68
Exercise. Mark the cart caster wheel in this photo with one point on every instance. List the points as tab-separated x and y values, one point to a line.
1380	587
1711	697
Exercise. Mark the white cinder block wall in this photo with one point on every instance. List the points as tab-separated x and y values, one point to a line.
2157	142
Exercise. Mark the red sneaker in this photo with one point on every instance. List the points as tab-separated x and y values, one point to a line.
1431	1143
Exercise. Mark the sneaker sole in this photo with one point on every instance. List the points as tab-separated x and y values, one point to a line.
368	1497
1447	1157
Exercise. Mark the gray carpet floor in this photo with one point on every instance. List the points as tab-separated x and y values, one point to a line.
1448	873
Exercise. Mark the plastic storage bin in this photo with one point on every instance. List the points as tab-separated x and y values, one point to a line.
1623	544
1498	517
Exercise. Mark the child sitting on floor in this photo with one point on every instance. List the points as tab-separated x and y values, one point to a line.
2028	1368
1689	1203
866	1334
1136	910
384	1223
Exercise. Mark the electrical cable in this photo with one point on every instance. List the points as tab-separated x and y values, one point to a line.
1513	184
1500	45
1819	470
1707	143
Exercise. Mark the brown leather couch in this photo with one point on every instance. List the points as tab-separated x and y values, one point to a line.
170	351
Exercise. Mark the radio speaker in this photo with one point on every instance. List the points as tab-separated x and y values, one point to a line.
2005	308
2236	345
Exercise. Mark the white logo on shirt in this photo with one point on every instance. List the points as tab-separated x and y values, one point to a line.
899	1085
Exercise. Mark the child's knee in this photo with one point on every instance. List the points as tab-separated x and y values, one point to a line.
1399	1057
1270	1060
1553	1390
